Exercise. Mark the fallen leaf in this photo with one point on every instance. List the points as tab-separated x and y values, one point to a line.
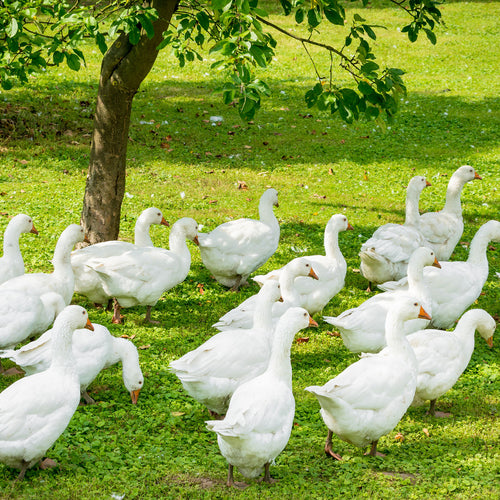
355	271
242	185
177	413
333	334
212	201
330	171
302	340
425	431
145	346
200	288
399	437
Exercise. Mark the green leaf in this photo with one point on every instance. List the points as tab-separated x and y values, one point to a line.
350	97
365	88
134	36
369	32
147	25
73	61
12	27
258	56
6	83
334	16
431	36
313	17
101	42
58	57
287	6
369	67
299	16
203	19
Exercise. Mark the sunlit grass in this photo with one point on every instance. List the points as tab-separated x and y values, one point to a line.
160	448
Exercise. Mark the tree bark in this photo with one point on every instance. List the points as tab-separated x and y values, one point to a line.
123	69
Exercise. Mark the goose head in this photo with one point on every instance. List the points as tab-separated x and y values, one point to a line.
152	216
466	173
417	184
300	267
339	222
270	197
424	256
23	224
74	317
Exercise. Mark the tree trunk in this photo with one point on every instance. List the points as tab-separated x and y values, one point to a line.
123	69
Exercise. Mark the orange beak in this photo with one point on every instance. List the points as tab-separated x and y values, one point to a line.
134	396
427	183
490	341
280	299
312	322
477	176
422	314
312	274
164	222
195	240
33	230
349	227
436	263
89	325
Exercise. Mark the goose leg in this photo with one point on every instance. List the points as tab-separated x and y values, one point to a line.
230	478
24	468
267	475
117	317
438	414
328	447
88	400
235	287
373	450
148	317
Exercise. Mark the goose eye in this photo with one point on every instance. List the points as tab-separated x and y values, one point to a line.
415	304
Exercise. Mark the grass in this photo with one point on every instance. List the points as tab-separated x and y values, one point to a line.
160	448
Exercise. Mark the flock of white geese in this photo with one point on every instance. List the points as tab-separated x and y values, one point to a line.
244	372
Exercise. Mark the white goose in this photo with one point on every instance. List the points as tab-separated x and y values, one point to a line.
443	229
35	411
242	316
259	420
235	249
363	328
23	315
456	286
12	264
386	254
142	274
212	372
443	356
369	398
330	269
87	281
62	279
92	352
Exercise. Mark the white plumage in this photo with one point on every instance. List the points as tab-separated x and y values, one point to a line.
35	410
235	249
369	398
259	420
386	254
443	356
11	263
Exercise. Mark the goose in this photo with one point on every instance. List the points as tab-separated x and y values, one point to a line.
12	264
62	279
443	356
92	352
330	268
35	410
363	328
242	316
212	372
141	275
456	286
259	419
443	229
23	315
233	250
369	398
385	255
87	281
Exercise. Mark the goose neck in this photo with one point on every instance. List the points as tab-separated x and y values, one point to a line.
416	283
266	214
412	215
396	339
263	316
332	250
279	362
62	354
11	242
177	244
142	237
453	192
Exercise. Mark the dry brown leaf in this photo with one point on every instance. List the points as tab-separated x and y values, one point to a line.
145	346
302	340
333	334
242	185
425	431
399	437
177	413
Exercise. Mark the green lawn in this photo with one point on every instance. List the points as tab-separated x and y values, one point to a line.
320	166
